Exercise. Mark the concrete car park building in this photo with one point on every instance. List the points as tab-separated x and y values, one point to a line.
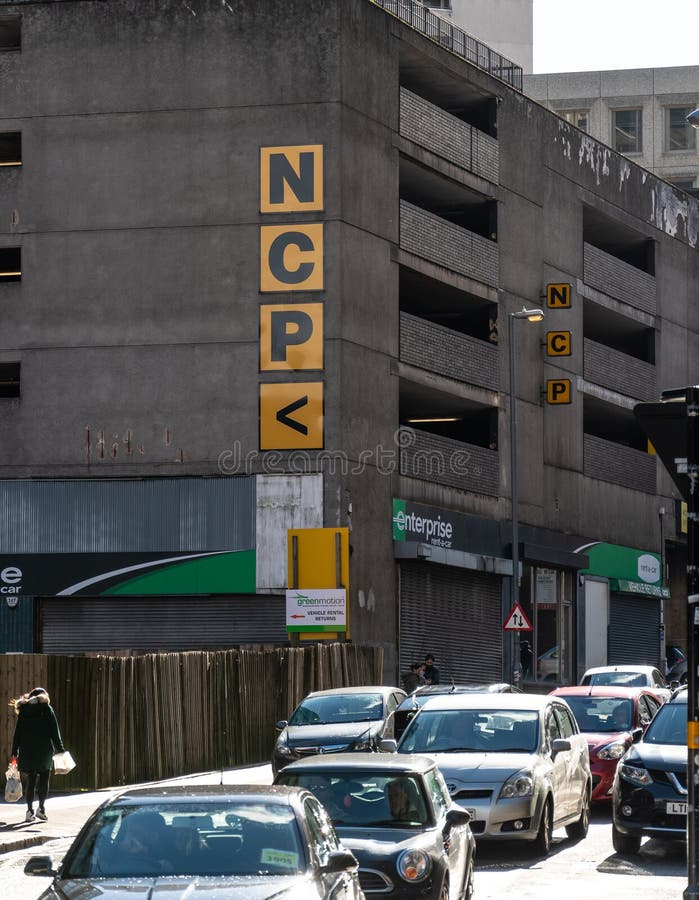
259	265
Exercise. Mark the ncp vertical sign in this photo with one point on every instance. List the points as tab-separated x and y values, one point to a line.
558	343
291	334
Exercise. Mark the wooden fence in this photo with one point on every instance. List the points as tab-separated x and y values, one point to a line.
128	719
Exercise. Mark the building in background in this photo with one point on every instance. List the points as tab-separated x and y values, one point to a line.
240	299
638	112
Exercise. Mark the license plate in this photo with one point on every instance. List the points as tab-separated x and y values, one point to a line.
676	809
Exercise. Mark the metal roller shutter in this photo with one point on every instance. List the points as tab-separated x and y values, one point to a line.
80	625
634	630
455	614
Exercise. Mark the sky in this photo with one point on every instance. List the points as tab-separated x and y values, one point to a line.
590	35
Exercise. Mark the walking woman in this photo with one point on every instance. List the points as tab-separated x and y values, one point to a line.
36	739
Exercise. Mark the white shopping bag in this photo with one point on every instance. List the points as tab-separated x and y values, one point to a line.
63	763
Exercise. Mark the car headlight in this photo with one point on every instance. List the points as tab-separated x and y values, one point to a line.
614	750
413	865
283	748
521	784
635	774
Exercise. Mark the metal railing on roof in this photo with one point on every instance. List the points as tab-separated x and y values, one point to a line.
454	39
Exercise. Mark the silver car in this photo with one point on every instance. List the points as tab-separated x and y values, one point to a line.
517	762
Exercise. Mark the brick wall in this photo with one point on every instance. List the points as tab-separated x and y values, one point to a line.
617	464
619	372
618	279
445	461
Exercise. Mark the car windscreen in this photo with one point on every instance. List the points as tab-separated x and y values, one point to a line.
601	714
472	731
669	725
366	799
338	709
216	838
617	679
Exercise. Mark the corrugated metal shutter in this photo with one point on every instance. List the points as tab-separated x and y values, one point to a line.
455	614
84	625
634	630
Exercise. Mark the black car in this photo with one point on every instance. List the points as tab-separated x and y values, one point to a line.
336	721
649	795
395	814
414	701
251	842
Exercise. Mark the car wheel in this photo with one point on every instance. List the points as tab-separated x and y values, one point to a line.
626	844
578	830
542	842
467	893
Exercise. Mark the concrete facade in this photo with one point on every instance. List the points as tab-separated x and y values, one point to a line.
654	92
136	319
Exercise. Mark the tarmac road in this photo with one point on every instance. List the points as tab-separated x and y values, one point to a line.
573	871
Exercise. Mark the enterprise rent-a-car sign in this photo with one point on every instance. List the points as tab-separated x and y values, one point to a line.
427	525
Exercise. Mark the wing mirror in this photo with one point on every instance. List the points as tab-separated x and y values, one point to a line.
388	745
636	735
457	816
40	865
559	746
281	724
340	861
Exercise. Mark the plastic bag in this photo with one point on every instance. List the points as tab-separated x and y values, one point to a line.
63	763
13	786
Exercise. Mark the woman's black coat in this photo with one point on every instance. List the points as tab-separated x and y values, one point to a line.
37	736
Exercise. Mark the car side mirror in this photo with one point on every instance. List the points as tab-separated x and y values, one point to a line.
636	735
674	684
388	745
281	724
559	745
340	861
457	816
40	865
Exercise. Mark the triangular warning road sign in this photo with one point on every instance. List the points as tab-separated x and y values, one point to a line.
517	620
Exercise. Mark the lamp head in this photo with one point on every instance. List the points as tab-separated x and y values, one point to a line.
693	118
531	315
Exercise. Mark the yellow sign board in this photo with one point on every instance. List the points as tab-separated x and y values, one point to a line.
291	257
291	337
291	416
558	343
291	178
318	558
558	296
558	391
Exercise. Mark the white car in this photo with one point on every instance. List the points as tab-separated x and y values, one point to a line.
517	762
629	676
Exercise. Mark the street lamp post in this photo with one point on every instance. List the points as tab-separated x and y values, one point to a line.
531	315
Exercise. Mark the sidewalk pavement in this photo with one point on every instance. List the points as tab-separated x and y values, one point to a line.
68	812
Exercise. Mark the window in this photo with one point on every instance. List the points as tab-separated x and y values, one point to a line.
626	128
10	264
679	134
577	117
9	379
10	33
565	723
684	184
10	148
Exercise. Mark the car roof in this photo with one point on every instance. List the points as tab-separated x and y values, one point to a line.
598	670
261	793
679	695
439	689
367	689
601	690
488	701
370	762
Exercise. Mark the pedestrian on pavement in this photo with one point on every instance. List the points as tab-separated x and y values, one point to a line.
431	671
37	737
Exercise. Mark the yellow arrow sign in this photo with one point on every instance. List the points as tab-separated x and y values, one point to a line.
291	416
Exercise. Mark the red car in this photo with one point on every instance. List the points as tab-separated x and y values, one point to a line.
611	718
